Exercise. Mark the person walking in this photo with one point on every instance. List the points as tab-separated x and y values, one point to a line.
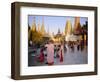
78	45
41	57
50	53
61	53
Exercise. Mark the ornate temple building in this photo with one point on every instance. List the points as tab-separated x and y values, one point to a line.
79	31
58	36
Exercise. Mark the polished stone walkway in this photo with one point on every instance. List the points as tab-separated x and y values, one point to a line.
70	58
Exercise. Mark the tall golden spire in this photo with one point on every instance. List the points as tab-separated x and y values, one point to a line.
48	30
68	28
77	26
34	25
77	21
39	30
42	27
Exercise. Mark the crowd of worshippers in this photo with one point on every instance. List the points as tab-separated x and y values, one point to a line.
50	51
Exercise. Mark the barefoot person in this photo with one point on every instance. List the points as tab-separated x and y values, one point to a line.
50	53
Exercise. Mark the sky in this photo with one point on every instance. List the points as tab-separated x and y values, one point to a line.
53	23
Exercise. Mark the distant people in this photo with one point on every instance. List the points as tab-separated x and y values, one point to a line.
78	45
50	53
72	47
45	51
67	48
55	51
82	45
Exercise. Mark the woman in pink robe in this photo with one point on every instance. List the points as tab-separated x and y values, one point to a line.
50	53
61	53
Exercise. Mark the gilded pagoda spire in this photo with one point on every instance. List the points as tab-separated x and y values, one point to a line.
77	26
68	28
77	21
42	27
34	25
39	29
48	30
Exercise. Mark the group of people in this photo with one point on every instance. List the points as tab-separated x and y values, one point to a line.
52	51
78	44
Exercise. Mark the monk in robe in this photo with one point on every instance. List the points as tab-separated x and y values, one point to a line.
61	53
41	57
50	53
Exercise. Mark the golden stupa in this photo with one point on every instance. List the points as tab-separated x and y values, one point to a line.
68	28
77	22
34	25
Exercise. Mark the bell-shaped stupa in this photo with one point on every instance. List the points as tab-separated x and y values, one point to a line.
77	26
33	25
43	28
68	28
